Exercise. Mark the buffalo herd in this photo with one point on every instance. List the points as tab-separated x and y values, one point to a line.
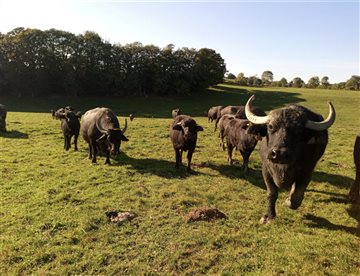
292	139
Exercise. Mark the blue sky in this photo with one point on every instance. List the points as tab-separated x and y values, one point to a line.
290	38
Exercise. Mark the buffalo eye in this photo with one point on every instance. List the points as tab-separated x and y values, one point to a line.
270	127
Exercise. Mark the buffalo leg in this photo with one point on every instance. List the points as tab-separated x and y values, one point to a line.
177	158
297	193
355	187
94	152
189	157
75	142
230	150
272	195
245	166
90	152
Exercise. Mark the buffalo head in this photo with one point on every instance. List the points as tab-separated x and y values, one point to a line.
288	128
112	138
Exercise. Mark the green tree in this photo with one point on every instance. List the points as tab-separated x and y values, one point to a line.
267	78
353	83
231	76
283	82
325	82
241	79
313	82
297	82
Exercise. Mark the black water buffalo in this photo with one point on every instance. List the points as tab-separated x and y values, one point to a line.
183	135
57	114
175	112
3	113
230	109
295	140
242	135
223	123
214	112
101	130
70	126
355	187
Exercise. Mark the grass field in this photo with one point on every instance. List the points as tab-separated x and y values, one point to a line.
53	202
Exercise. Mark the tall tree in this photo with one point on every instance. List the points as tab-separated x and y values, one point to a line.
353	83
325	82
267	78
297	82
313	82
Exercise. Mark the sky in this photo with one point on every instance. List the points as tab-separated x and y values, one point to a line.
290	38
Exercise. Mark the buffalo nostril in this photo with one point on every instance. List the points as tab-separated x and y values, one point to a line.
273	154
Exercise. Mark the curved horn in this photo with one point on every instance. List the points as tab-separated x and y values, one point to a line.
258	120
125	127
100	128
325	124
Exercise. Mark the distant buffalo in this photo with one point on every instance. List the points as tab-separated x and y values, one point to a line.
183	135
214	113
70	126
230	109
176	112
100	128
355	187
295	140
3	113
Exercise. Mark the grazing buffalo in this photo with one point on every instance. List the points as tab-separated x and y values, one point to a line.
101	130
3	113
241	134
230	109
355	187
183	135
214	113
176	112
295	140
70	126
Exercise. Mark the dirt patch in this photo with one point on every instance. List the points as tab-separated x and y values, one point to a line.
205	214
120	217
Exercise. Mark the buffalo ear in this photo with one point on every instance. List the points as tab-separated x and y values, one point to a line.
199	128
102	137
177	127
123	138
78	114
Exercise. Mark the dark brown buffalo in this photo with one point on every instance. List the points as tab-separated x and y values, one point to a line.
3	113
183	135
242	135
70	126
355	187
176	112
214	113
230	109
101	130
223	123
295	139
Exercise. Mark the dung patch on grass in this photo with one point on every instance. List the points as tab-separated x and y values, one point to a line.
120	217
205	214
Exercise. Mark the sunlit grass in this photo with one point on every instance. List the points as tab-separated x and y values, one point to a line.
53	202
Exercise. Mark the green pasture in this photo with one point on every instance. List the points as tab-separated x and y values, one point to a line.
53	202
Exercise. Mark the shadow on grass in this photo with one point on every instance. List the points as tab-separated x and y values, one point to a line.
323	223
336	180
236	172
162	168
195	105
14	134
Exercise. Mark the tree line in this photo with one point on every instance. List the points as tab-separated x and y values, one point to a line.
267	79
35	62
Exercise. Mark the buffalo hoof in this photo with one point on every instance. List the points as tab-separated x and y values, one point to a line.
291	204
266	219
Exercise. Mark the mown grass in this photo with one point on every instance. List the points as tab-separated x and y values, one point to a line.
53	202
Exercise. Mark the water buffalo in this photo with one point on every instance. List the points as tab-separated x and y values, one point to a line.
70	126
57	114
295	140
223	123
3	113
355	187
101	130
242	135
183	135
175	112
214	113
230	109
